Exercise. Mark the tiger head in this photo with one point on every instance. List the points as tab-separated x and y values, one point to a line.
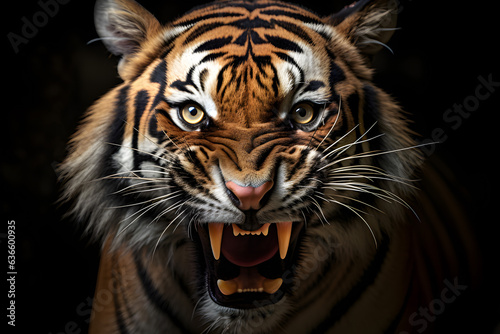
253	131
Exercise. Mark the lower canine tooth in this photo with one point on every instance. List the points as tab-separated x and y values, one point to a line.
272	285
227	287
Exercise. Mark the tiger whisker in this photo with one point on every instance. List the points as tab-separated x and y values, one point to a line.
166	228
173	207
371	176
135	185
333	126
362	188
143	211
359	140
142	151
195	307
339	139
156	199
370	169
117	175
361	217
108	38
352	199
382	194
373	41
377	153
209	328
165	132
320	209
360	155
146	209
146	189
188	147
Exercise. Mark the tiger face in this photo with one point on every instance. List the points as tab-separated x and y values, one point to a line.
252	130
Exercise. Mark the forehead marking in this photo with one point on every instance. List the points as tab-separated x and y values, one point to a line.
231	44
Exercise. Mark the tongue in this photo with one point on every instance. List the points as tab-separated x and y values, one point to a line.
249	250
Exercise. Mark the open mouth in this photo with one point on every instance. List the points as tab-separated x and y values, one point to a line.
248	269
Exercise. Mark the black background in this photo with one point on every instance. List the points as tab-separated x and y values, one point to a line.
441	50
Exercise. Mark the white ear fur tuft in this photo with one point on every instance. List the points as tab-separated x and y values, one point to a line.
123	25
369	24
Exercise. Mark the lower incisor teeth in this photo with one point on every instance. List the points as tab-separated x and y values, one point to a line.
230	287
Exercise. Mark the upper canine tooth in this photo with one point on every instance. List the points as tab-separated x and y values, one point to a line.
284	234
215	232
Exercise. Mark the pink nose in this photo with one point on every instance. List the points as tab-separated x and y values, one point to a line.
249	197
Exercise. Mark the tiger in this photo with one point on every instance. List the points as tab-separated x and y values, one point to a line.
248	176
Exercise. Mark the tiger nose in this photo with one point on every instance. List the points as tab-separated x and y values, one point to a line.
249	197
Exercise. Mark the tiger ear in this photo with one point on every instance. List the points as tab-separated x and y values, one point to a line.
123	26
368	24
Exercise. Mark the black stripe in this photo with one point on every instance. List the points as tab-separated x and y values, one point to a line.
157	131
261	62
199	169
259	82
120	321
202	77
336	73
275	81
372	109
293	28
201	30
213	44
357	290
141	101
283	43
300	17
288	59
397	318
314	86
156	297
207	17
242	39
298	167
159	75
114	137
212	56
117	127
182	85
371	115
204	152
251	6
220	77
255	37
247	23
115	134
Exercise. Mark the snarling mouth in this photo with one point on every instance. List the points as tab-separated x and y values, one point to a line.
247	269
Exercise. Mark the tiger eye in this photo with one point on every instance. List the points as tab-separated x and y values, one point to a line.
192	114
303	113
